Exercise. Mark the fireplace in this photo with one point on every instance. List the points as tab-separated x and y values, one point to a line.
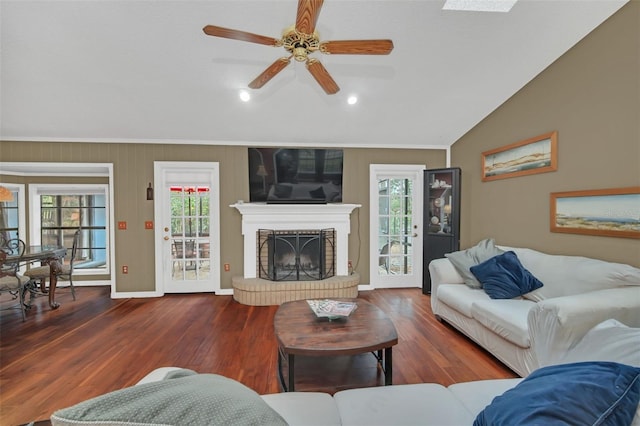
291	224
291	217
296	255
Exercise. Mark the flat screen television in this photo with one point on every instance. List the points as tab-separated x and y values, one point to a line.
295	175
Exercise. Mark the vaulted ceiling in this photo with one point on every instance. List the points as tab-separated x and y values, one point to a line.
144	71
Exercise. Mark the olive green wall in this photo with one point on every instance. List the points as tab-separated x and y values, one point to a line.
591	96
133	170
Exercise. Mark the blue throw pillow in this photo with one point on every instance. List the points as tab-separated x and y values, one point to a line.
504	277
584	393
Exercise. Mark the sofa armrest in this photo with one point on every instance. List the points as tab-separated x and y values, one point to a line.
157	375
556	325
442	271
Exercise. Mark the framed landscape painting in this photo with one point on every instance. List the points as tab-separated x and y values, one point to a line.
608	212
531	156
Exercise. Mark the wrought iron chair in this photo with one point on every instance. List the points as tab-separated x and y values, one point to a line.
10	279
67	270
184	252
41	273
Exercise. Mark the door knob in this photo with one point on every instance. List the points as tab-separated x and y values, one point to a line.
415	235
166	229
166	238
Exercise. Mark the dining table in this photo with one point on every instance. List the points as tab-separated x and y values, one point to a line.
47	255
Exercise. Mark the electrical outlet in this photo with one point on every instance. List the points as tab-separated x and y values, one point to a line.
122	225
125	269
227	267
148	224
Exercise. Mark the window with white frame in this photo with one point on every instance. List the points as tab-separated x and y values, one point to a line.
58	210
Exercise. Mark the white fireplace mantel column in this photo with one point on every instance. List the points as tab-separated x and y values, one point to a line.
282	217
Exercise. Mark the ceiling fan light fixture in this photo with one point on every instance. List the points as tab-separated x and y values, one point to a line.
244	96
300	54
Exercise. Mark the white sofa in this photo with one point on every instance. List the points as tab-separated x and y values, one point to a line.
422	403
406	404
540	327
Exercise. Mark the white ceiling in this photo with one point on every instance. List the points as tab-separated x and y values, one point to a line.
143	70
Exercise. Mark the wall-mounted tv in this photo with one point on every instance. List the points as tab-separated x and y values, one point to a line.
295	175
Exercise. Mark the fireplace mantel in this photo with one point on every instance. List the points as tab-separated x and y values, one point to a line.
256	216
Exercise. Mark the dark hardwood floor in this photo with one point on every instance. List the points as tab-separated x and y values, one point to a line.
96	345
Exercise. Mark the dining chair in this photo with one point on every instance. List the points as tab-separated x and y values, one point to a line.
184	250
41	273
11	281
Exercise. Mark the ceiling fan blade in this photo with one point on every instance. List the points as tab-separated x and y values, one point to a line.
215	31
269	73
320	73
307	16
357	47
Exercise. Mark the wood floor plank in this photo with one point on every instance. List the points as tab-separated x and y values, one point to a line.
97	344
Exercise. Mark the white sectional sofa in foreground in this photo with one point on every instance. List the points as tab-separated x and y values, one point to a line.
531	329
596	382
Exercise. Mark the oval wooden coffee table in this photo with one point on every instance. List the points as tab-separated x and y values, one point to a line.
300	332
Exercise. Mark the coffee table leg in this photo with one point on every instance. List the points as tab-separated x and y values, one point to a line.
290	360
388	369
291	386
280	374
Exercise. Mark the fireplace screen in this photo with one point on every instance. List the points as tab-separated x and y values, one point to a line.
303	255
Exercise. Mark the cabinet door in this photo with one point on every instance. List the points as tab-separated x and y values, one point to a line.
442	217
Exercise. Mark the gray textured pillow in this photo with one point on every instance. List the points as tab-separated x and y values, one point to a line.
465	259
181	398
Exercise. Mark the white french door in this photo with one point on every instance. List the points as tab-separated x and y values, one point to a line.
396	193
187	227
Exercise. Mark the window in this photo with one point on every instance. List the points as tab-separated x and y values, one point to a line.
59	210
10	217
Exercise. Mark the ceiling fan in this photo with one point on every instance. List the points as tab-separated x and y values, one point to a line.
300	41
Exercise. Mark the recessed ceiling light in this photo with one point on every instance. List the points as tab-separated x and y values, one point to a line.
245	96
479	5
351	100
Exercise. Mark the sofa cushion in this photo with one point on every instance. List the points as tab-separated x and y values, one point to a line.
504	277
580	393
610	340
463	260
305	408
569	275
414	404
183	397
460	297
478	394
506	317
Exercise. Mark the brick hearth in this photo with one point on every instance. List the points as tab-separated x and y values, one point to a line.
259	292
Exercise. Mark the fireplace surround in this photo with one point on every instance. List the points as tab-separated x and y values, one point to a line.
253	290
